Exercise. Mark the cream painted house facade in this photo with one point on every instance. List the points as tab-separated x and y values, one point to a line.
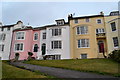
113	31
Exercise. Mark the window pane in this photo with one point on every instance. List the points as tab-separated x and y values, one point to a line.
78	31
83	56
35	36
44	35
83	43
52	32
60	45
99	21
79	44
55	44
59	31
115	40
76	21
21	47
113	26
52	45
2	47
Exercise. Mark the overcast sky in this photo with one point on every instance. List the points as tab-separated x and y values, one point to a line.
43	13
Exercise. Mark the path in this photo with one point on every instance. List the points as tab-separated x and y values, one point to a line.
61	73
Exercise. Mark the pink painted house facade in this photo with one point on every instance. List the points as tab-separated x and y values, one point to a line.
24	41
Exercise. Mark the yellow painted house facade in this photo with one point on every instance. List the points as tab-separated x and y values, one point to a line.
92	36
113	31
87	37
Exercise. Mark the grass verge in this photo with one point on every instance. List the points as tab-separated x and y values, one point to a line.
9	71
100	66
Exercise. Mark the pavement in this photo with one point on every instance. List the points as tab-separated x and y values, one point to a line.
63	73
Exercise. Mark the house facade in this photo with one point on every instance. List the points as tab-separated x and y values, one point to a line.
6	38
87	37
24	41
113	29
57	40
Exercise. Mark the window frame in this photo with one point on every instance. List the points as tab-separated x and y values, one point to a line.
84	54
79	30
8	28
112	27
100	30
100	20
20	36
35	36
2	29
80	44
19	47
34	47
2	47
87	20
44	35
113	38
57	44
76	21
2	37
56	32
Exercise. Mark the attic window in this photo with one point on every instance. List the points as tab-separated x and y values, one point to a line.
60	22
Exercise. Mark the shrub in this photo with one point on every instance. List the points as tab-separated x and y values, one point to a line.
30	55
115	55
16	56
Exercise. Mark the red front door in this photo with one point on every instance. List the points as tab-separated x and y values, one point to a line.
101	47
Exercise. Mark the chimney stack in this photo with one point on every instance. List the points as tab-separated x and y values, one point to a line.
1	24
101	13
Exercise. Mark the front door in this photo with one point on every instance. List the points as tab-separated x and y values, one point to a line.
43	49
101	47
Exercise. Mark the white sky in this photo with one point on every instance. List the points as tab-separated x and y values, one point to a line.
43	13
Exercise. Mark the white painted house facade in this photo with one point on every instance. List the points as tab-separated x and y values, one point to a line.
54	41
6	32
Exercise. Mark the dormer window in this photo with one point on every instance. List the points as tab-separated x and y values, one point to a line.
60	22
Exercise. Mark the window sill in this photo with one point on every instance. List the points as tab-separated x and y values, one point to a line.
83	47
116	47
55	49
20	39
81	34
18	51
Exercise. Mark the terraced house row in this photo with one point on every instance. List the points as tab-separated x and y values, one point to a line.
93	36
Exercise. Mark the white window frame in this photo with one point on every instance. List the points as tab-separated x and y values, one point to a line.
79	45
60	22
34	36
18	50
97	21
2	47
115	27
113	42
57	45
44	34
80	31
100	30
18	32
58	34
2	37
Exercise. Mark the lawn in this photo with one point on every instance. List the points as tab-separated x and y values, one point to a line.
101	66
9	71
